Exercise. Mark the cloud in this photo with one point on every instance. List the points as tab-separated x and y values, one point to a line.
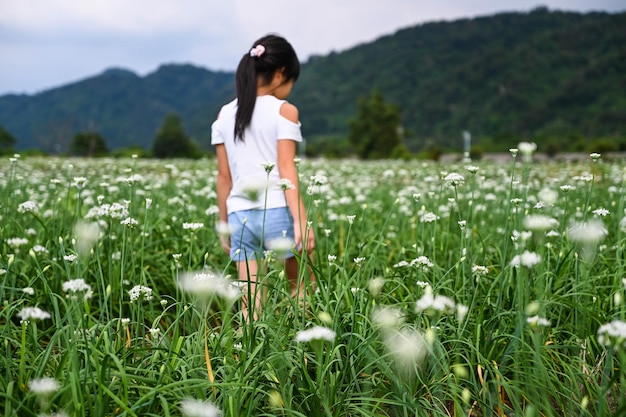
48	43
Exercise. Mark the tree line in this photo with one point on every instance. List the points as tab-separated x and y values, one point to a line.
376	132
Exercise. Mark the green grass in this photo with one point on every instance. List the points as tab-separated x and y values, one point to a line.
511	340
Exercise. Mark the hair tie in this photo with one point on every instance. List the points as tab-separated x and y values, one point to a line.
257	51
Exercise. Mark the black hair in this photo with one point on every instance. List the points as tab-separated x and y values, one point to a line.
277	55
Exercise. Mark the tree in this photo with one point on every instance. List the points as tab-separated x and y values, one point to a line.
376	131
7	141
88	144
171	140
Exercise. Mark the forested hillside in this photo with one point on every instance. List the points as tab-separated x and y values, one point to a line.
544	76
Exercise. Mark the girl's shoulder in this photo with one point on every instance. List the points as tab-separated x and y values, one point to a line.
289	111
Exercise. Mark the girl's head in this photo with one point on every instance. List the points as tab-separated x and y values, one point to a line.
258	66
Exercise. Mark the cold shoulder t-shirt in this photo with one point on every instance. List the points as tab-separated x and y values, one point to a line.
246	158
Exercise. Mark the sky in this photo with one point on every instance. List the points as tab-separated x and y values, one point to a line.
49	43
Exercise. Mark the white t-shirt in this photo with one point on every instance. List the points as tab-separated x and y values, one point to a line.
246	159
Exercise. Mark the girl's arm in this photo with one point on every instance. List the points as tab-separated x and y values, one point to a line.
224	185
287	170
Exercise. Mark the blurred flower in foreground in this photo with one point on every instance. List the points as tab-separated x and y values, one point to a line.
408	349
613	334
536	321
316	333
387	317
194	408
527	149
44	386
539	222
281	246
87	234
527	259
375	286
437	303
206	284
33	313
253	188
588	235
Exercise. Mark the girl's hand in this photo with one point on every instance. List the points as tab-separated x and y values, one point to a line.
306	242
225	242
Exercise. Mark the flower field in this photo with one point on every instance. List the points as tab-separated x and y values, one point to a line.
465	289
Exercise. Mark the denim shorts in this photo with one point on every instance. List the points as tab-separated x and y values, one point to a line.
249	234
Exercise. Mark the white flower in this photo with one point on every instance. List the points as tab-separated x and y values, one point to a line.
613	333
375	286
472	169
527	148
315	333
332	258
595	156
129	222
70	258
28	207
408	348
461	311
428	217
253	188
268	166
437	303
281	246
40	249
527	259
33	313
359	261
590	232
17	241
195	408
567	188
453	179
44	386
548	195
480	270
79	182
285	184
387	317
78	285
192	226
319	179
206	284
536	321
28	290
601	212
539	222
351	218
140	291
422	262
87	234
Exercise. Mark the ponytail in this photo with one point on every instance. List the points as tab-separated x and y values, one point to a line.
268	54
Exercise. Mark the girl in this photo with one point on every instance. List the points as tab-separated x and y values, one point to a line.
255	138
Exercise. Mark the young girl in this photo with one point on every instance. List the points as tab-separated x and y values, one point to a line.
255	138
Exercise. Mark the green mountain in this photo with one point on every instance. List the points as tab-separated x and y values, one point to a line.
532	76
